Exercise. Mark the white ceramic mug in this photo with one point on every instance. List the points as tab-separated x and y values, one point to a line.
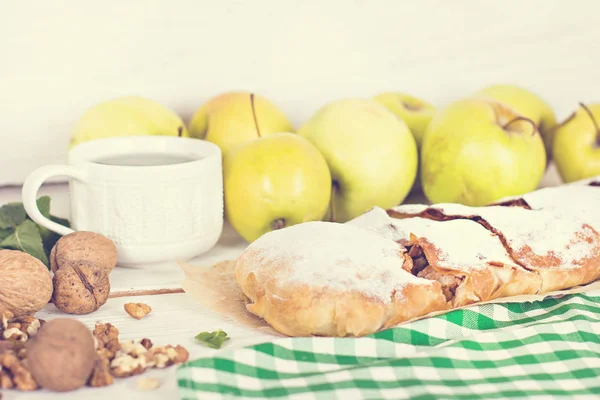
158	198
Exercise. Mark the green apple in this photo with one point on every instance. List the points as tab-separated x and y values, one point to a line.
477	151
416	113
272	182
371	154
576	149
528	104
234	117
127	116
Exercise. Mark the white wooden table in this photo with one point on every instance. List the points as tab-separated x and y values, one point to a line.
175	318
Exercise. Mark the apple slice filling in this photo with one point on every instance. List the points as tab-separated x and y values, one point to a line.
477	270
422	269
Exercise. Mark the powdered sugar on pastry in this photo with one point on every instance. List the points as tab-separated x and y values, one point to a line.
547	233
339	257
550	234
581	201
411	208
462	244
378	221
585	181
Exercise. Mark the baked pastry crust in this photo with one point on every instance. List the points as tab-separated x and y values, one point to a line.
329	279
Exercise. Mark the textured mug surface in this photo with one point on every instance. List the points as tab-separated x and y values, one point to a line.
153	213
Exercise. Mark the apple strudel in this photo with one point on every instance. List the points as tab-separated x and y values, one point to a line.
390	266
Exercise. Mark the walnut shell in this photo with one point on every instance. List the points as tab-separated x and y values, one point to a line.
25	283
62	355
84	246
80	288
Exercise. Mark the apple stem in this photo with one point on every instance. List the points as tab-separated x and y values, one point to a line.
563	123
278	224
521	118
411	107
180	131
334	189
254	114
556	127
589	112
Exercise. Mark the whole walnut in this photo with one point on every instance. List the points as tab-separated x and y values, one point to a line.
62	354
80	288
25	283
84	246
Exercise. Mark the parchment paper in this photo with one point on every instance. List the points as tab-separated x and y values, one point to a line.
215	288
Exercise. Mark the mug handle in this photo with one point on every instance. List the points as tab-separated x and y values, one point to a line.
32	185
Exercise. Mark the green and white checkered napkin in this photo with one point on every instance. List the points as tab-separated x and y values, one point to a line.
548	349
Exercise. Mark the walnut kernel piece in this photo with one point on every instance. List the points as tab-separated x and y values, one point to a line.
14	345
133	349
181	354
6	345
22	353
107	336
84	246
100	376
14	334
137	310
124	365
80	288
13	325
147	343
106	354
30	326
21	377
168	355
144	384
6	381
160	360
6	317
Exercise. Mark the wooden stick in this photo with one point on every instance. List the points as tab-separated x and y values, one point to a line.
151	292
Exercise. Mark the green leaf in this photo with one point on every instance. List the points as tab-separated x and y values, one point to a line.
4	233
214	339
61	221
27	238
43	204
49	238
11	215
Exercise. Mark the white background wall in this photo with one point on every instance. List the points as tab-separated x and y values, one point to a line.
59	57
